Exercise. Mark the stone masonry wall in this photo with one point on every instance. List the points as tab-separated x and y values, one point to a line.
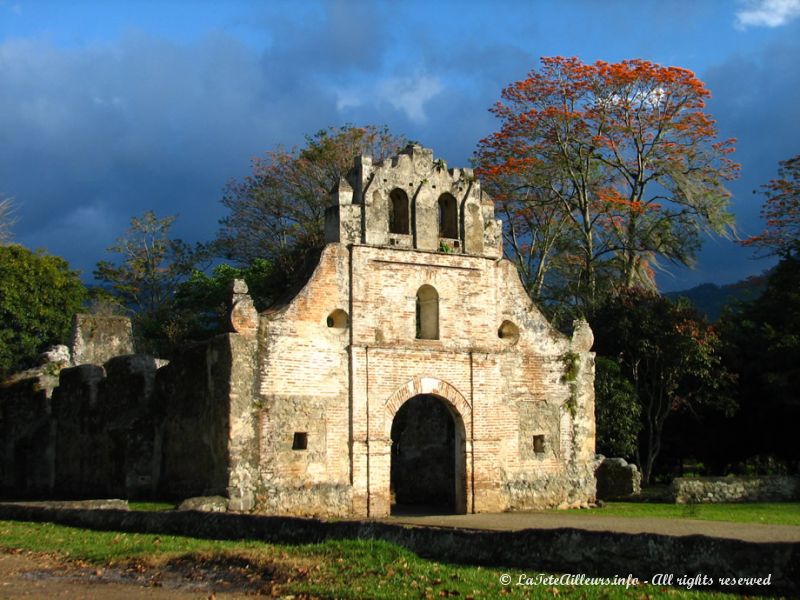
208	439
27	449
106	429
520	393
98	338
691	490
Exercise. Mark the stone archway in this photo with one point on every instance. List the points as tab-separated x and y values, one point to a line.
423	458
450	419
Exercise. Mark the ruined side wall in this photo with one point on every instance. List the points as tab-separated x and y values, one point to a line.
130	430
193	391
767	488
304	375
549	382
27	450
106	429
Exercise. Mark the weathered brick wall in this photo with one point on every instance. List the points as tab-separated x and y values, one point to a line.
292	412
520	393
303	389
512	390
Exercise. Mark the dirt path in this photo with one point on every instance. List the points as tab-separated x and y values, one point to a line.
29	575
749	532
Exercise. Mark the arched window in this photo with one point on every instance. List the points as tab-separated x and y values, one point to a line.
398	212
427	313
448	217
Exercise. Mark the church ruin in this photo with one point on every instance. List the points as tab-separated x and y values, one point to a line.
411	369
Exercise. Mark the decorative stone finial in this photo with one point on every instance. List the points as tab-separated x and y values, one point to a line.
244	317
582	336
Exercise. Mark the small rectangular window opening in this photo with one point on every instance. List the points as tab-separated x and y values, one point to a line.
538	444
300	441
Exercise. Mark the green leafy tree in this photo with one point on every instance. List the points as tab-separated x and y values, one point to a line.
39	295
151	264
763	336
605	169
763	348
6	221
146	276
278	212
617	411
669	353
203	300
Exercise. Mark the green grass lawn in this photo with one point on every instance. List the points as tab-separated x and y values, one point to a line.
152	506
777	513
334	569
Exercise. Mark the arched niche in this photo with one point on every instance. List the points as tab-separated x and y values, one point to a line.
427	326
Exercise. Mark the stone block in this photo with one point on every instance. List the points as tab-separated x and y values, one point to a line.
618	479
97	338
205	504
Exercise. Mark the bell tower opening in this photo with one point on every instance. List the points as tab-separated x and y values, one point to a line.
448	217
398	212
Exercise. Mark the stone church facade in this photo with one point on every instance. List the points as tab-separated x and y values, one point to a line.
410	369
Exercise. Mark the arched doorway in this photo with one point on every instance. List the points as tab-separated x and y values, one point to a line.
427	458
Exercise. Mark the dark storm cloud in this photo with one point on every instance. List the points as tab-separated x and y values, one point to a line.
757	101
92	136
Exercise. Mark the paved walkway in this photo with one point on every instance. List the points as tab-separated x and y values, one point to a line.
749	532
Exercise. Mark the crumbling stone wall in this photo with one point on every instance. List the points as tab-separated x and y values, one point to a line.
98	338
292	411
105	425
303	392
617	479
521	394
772	488
208	445
27	450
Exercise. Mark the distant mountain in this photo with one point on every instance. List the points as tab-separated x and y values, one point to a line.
710	298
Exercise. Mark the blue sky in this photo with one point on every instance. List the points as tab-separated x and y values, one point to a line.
108	109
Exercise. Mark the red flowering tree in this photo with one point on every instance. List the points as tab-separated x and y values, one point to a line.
781	212
622	163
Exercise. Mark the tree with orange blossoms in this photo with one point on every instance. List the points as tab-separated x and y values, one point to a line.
628	154
781	212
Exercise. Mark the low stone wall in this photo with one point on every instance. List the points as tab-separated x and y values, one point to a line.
689	490
573	551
